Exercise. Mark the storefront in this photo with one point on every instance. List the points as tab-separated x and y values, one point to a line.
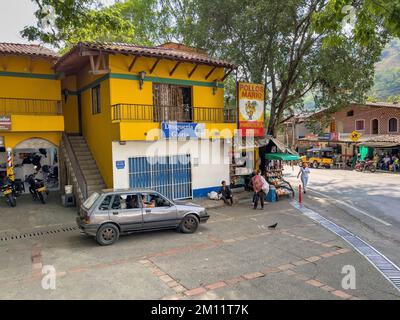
245	159
277	155
178	168
37	156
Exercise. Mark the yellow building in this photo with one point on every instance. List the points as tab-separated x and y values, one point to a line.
124	104
31	120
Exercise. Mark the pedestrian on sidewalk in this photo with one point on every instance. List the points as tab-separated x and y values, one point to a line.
304	173
226	193
258	184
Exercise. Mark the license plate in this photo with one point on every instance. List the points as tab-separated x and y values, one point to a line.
42	189
7	191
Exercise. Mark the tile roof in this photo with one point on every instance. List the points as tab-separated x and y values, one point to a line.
173	52
26	49
383	104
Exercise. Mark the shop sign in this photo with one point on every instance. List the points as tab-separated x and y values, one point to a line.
120	164
324	136
334	136
251	101
5	123
182	130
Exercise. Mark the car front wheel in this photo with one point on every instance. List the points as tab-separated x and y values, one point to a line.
189	224
107	234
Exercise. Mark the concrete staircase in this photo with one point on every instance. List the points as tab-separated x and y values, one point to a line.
93	180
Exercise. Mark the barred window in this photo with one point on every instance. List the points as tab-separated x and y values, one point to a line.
360	125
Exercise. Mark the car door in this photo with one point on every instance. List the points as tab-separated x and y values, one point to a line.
158	211
101	211
127	212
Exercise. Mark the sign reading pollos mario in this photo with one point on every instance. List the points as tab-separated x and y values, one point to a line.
251	109
251	91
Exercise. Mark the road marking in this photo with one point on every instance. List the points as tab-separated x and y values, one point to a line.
352	207
386	267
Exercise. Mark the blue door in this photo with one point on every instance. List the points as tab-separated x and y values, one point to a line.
169	175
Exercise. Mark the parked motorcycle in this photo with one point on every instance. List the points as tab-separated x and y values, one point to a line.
37	188
8	191
362	166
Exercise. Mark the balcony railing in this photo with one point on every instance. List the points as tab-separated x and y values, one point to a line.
135	112
30	106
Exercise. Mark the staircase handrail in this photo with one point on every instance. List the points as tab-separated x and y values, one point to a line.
75	166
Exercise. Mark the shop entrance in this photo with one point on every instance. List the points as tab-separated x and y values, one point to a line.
40	154
169	175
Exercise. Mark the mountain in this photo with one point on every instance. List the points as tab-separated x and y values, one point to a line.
387	74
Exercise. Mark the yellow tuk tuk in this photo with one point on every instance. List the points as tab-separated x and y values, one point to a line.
319	157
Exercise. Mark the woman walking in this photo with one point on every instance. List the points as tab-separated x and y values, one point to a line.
304	172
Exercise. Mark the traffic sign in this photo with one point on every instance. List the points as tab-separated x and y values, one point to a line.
355	136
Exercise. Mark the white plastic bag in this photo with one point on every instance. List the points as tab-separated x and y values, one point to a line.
213	195
265	186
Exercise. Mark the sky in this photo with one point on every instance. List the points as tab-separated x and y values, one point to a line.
15	15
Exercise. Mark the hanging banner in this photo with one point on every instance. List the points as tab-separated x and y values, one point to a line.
5	123
251	109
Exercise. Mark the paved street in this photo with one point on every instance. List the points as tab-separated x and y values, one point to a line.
233	256
366	204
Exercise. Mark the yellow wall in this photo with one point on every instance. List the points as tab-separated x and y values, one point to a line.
24	86
33	123
127	91
97	128
70	106
22	77
13	139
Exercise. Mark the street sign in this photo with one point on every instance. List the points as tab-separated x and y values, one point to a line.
355	136
120	164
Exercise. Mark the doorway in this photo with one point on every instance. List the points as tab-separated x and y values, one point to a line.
40	157
172	103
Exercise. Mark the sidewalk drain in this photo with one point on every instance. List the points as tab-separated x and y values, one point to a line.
36	234
386	267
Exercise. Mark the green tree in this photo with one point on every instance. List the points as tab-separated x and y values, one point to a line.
284	45
63	23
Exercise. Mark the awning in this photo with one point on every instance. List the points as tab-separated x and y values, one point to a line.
281	156
321	149
381	141
282	148
251	144
379	144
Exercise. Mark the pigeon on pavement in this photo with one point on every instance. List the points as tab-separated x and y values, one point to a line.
273	226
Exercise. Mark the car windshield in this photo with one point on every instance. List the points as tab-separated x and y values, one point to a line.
91	200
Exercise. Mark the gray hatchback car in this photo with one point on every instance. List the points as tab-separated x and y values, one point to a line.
110	213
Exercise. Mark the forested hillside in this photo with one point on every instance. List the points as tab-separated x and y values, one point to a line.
387	77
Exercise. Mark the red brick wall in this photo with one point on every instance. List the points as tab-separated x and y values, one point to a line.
366	113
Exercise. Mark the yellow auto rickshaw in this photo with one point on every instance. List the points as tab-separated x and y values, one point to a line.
319	157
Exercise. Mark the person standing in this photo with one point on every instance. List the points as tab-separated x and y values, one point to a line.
304	173
258	184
